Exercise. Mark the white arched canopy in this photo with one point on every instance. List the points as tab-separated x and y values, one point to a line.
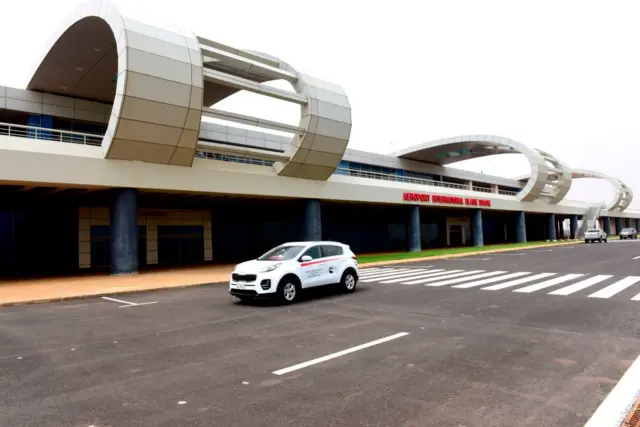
542	182
156	80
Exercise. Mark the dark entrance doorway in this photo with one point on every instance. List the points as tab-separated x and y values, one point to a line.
180	244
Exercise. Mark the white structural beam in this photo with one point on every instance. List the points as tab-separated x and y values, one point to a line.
239	52
251	86
239	63
251	121
236	150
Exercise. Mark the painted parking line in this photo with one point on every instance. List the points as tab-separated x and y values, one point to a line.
128	303
339	353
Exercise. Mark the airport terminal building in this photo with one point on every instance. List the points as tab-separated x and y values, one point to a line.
107	164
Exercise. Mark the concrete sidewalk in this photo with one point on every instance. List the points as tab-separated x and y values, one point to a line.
62	288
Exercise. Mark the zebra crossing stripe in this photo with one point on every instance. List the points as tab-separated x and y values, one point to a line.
406	275
517	282
432	273
619	286
376	273
375	277
491	280
462	279
447	276
636	298
583	284
548	283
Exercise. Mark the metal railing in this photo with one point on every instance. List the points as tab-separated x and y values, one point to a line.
33	132
420	181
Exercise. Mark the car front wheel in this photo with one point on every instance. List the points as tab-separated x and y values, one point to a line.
348	281
288	289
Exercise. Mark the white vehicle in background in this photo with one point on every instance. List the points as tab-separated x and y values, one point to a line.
595	235
286	270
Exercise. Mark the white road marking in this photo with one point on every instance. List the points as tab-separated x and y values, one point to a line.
548	283
636	298
128	303
583	284
393	275
382	273
619	286
491	280
446	276
119	300
638	257
614	408
517	282
142	303
462	279
432	273
518	254
338	354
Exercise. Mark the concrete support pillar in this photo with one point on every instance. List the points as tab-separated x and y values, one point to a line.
606	224
470	185
551	227
637	223
618	225
573	228
478	234
124	231
414	239
494	188
521	228
312	225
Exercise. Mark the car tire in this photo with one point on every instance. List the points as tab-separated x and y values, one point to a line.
288	289
586	241
599	240
606	240
349	280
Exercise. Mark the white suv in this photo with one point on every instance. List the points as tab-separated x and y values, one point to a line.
287	269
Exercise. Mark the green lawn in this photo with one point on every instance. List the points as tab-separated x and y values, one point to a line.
364	259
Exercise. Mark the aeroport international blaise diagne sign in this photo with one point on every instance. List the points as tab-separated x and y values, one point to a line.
445	200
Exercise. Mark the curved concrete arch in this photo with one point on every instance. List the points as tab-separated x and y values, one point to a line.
326	119
542	164
623	193
155	74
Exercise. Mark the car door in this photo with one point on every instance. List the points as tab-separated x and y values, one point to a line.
334	260
311	270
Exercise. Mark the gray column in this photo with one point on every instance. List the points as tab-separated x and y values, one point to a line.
124	231
551	227
521	228
478	234
637	223
606	224
618	224
573	228
312	225
414	238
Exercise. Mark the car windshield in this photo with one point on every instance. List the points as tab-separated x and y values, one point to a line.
626	230
282	253
593	230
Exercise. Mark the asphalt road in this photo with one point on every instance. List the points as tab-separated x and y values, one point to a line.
195	357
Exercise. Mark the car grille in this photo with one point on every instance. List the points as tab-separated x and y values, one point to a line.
243	277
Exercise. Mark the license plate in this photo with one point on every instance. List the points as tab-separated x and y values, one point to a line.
239	285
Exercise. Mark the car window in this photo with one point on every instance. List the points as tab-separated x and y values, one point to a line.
282	253
313	252
331	250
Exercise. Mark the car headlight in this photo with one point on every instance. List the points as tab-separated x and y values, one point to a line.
270	268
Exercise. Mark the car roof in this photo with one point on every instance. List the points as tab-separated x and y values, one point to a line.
315	242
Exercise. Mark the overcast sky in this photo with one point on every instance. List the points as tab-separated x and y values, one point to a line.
560	75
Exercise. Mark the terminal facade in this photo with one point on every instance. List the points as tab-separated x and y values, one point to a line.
108	165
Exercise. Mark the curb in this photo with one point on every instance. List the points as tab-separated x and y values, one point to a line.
101	294
465	254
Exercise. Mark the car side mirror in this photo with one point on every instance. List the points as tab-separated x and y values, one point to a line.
305	258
